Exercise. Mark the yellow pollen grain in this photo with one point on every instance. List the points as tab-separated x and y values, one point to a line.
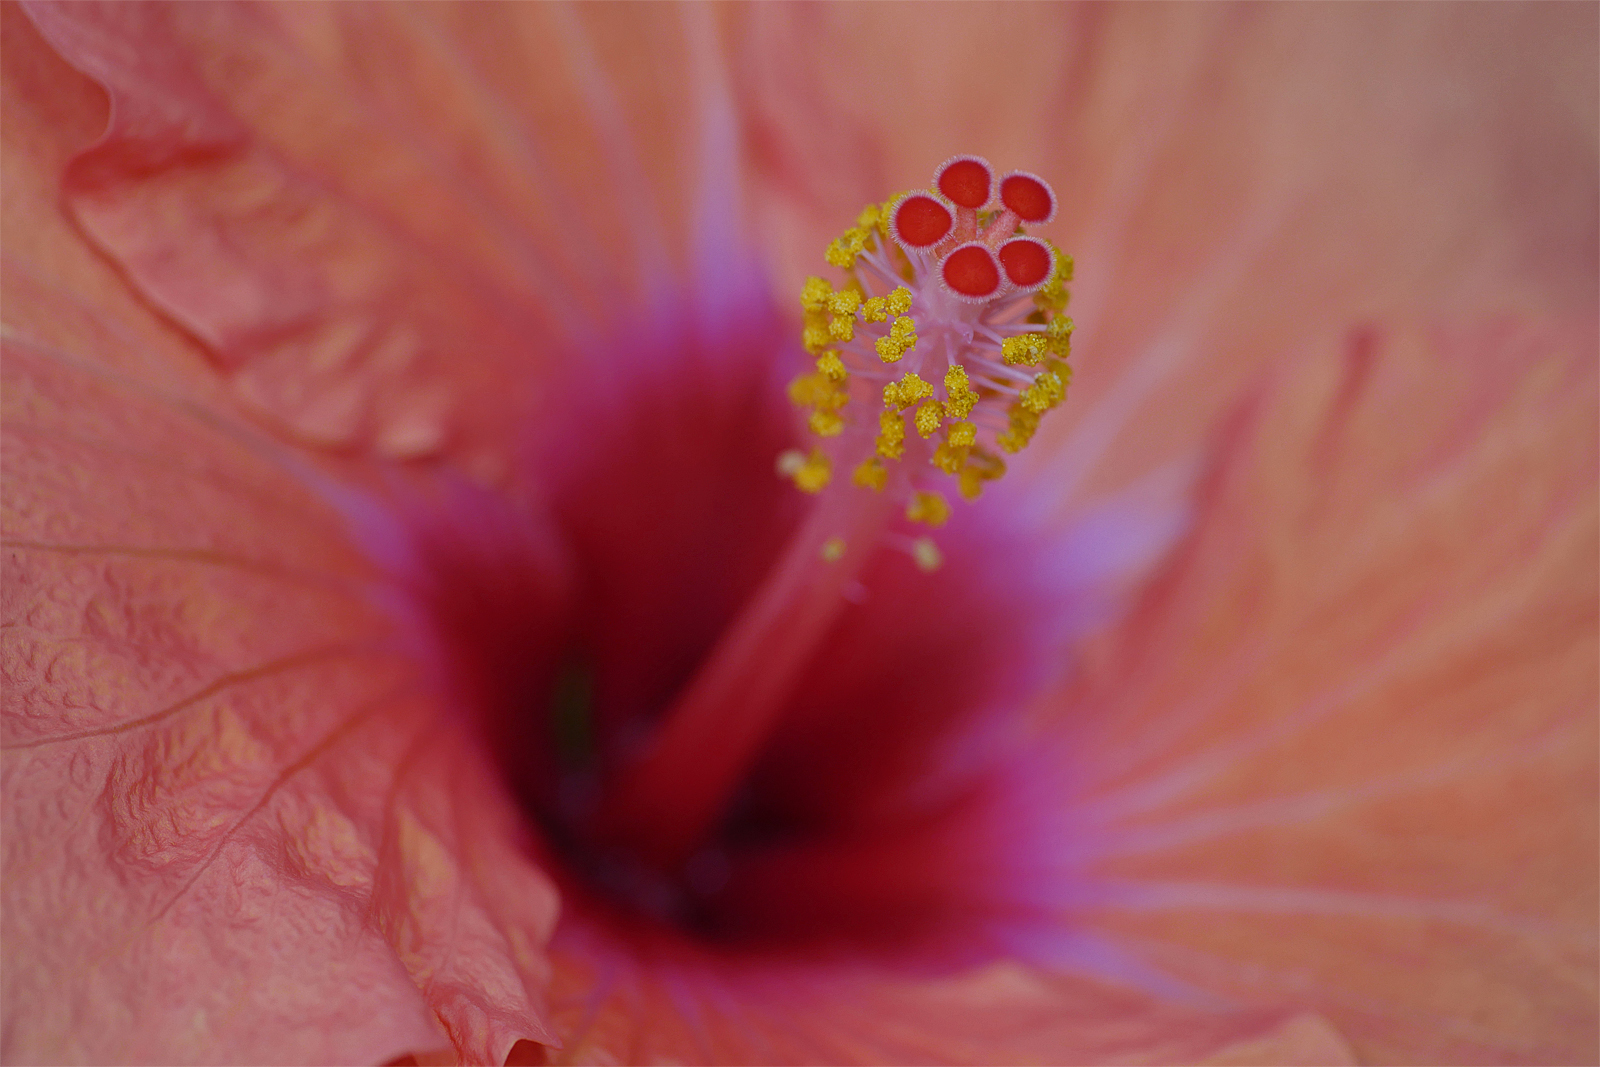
814	474
1061	368
831	367
930	509
1053	296
1023	350
1058	336
963	435
929	415
907	391
901	339
875	309
826	423
843	251
927	555
960	393
807	389
949	459
833	549
1045	393
844	302
899	301
816	337
871	474
970	484
814	294
891	436
982	466
843	306
1023	424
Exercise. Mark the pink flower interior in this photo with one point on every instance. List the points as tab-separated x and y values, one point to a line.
879	818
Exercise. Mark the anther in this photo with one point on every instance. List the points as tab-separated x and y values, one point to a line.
930	509
814	472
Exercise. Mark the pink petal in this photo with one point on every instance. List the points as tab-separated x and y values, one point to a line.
662	1005
235	813
1337	755
350	251
229	836
159	714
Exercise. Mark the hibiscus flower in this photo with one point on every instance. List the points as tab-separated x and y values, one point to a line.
392	402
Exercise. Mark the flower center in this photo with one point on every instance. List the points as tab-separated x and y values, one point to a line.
940	350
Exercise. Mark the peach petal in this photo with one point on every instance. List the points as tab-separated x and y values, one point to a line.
358	289
215	848
705	1010
160	700
1334	754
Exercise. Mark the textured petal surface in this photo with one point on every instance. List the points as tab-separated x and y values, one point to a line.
339	238
192	733
1337	755
239	827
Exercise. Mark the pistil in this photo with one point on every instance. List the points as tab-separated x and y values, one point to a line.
944	348
665	804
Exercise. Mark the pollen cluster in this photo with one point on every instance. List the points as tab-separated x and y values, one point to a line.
943	347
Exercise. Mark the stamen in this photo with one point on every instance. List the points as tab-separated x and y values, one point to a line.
929	508
942	285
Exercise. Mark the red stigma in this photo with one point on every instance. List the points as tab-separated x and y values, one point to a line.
966	180
921	221
1026	261
971	271
1028	197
